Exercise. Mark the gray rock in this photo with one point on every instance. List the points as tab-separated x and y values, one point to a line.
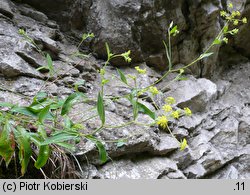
62	70
30	12
194	171
193	93
229	173
167	144
5	8
13	66
141	27
154	168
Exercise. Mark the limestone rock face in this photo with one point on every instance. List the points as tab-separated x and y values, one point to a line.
141	26
218	131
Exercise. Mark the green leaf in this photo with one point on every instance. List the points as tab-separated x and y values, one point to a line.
36	139
133	100
101	148
69	101
122	76
144	109
120	144
217	42
6	104
60	137
25	151
24	111
100	108
183	144
7	143
173	30
39	98
50	64
42	67
225	30
43	156
68	122
205	55
43	114
67	146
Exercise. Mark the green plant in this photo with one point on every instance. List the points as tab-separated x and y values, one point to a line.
44	127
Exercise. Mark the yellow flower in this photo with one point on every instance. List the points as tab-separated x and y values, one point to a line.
238	13
102	72
223	13
187	111
162	121
167	108
244	20
230	5
234	13
140	71
225	39
21	31
175	114
183	144
236	22
170	100
235	31
153	90
126	56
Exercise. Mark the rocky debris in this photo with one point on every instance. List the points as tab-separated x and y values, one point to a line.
13	66
192	93
141	168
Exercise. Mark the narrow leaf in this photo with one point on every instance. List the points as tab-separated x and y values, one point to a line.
144	109
67	146
6	104
25	151
122	76
7	143
43	156
205	55
24	111
50	64
183	144
101	148
173	30
100	108
60	137
68	102
43	114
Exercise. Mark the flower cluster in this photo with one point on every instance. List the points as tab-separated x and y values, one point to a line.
140	71
153	90
126	56
232	17
170	112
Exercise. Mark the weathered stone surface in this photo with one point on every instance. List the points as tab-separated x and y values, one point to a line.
141	27
5	8
217	133
193	93
154	168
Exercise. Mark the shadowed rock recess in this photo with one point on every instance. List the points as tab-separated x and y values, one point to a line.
218	133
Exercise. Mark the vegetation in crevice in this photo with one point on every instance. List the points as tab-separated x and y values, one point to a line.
45	135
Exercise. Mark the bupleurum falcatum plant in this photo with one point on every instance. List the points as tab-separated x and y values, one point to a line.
44	128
